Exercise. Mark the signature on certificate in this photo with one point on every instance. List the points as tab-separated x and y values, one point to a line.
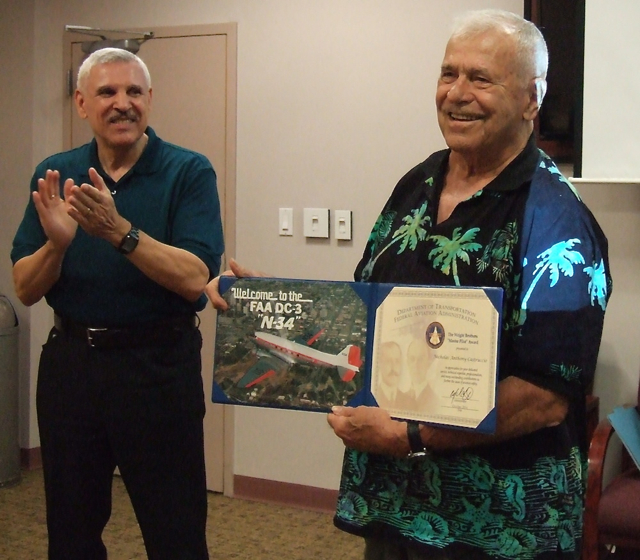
461	394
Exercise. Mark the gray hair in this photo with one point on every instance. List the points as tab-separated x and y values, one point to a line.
532	55
105	56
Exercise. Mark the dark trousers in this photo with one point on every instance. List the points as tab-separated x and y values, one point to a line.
140	409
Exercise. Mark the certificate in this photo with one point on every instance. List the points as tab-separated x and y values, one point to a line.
435	356
420	352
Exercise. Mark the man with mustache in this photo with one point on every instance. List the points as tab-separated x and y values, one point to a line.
122	252
490	210
389	369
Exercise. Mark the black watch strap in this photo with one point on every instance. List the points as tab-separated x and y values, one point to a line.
416	445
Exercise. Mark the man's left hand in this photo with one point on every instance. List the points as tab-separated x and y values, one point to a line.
370	429
93	207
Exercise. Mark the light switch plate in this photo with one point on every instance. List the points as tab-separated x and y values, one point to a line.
342	224
316	222
285	221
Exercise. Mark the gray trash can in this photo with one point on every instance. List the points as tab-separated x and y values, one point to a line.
9	444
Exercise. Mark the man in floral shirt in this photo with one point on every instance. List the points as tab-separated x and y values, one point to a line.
491	210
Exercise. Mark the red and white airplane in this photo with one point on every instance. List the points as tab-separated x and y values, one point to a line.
348	361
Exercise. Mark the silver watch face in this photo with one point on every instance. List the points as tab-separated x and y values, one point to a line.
129	244
418	454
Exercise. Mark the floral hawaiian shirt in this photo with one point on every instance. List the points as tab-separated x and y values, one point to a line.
529	233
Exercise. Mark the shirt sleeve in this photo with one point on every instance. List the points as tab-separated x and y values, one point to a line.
565	286
196	224
30	235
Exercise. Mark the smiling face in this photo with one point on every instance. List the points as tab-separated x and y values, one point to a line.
115	98
485	105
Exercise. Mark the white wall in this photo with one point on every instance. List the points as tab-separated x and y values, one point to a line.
335	103
617	208
610	137
17	32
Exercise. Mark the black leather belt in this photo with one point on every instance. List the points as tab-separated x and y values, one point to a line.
162	331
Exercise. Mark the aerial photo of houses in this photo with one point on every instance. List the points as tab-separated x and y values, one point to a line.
290	344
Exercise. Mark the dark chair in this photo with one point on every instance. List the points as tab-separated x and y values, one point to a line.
593	415
612	514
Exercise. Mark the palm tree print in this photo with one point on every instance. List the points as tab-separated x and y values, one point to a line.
498	253
567	372
518	318
548	164
448	251
409	234
598	284
412	230
381	229
558	258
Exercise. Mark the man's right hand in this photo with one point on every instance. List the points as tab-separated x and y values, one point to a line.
212	290
58	226
35	274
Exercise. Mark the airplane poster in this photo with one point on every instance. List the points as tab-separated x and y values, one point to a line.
290	344
421	352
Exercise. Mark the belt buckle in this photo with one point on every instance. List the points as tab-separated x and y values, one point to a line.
90	334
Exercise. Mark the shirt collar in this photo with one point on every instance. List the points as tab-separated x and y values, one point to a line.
520	170
147	163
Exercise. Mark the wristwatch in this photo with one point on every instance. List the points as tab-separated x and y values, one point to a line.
130	241
416	446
